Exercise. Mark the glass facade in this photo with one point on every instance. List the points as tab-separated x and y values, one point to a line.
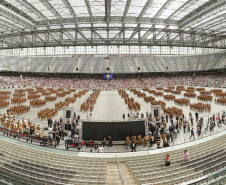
110	50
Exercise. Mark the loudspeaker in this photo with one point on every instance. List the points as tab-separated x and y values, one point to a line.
156	113
67	126
68	113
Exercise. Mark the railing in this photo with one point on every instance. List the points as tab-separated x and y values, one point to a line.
123	182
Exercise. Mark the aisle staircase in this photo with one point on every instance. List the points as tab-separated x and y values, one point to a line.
114	177
78	64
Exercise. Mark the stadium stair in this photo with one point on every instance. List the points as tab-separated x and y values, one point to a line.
127	175
49	68
165	65
112	174
6	64
78	64
137	63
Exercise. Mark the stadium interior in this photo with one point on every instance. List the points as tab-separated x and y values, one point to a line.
112	92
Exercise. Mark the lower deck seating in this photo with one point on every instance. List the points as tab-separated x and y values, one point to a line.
205	158
40	167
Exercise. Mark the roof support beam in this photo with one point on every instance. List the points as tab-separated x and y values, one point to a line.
50	7
126	9
71	10
89	10
17	11
167	4
107	10
8	15
145	8
207	10
31	8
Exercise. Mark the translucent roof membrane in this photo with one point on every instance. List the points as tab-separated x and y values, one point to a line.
37	4
103	34
136	7
113	33
25	21
60	8
117	7
128	34
97	7
22	6
192	5
79	7
172	8
154	8
209	18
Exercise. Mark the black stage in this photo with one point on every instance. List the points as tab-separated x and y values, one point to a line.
96	131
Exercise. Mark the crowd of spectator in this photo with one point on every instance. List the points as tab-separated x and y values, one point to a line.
97	82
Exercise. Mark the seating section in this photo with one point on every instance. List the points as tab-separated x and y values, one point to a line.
40	167
205	158
117	64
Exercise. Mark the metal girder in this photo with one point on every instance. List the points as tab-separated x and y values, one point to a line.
210	22
9	25
181	9
8	15
143	11
17	11
145	8
107	10
101	38
126	9
50	7
207	10
31	8
114	19
89	10
71	10
117	35
185	38
167	4
104	29
157	15
70	36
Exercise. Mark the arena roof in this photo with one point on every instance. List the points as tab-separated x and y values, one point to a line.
50	23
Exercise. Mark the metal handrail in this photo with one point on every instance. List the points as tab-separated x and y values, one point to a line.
123	182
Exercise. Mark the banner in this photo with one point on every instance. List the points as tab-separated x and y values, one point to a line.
108	76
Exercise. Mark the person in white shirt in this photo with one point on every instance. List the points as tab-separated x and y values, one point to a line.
101	149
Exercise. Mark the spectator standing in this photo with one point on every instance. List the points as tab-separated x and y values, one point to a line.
186	155
72	132
197	116
167	160
192	133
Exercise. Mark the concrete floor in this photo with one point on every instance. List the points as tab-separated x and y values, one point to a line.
110	106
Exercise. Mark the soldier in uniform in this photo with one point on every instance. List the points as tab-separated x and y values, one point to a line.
24	126
128	142
29	123
139	140
145	140
38	128
20	130
18	123
15	130
33	126
133	138
7	125
12	125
